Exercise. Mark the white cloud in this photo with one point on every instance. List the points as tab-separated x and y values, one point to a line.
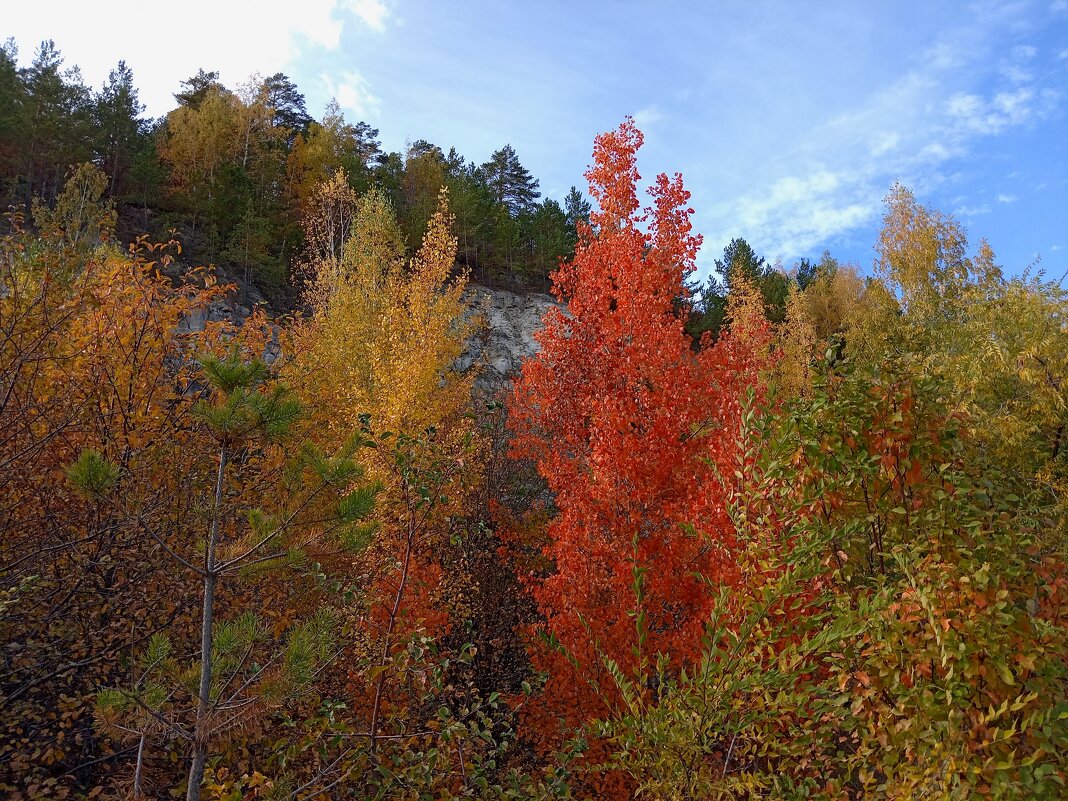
1014	105
963	105
237	39
352	92
798	213
832	179
884	143
1055	248
373	13
645	117
934	152
943	56
973	114
1015	73
1013	67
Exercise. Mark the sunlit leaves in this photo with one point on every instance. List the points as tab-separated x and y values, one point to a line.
384	335
631	429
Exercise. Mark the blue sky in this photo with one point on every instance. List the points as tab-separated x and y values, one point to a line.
788	121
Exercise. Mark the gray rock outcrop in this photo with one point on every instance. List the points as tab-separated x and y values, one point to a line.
507	336
497	349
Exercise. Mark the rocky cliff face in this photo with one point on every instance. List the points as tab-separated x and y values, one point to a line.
507	337
510	320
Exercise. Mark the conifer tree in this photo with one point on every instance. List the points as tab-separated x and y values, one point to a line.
287	104
322	496
510	183
59	109
116	116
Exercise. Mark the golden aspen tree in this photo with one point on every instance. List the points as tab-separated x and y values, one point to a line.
797	341
199	142
326	224
375	359
257	132
377	354
384	335
816	316
998	343
921	251
830	301
324	148
424	175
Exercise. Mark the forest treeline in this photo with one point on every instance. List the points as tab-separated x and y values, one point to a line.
794	536
233	170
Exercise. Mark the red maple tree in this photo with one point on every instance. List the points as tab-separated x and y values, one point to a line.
631	428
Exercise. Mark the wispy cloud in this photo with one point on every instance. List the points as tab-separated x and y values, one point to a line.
799	211
1015	67
645	117
885	142
944	55
352	93
972	114
373	13
913	130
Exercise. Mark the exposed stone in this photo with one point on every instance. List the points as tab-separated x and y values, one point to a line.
234	307
510	320
506	338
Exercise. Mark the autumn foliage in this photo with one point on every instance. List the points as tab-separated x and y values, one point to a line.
303	557
636	434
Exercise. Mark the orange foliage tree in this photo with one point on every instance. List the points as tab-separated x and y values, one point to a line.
636	435
88	357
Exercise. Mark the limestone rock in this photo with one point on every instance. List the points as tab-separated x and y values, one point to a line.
510	320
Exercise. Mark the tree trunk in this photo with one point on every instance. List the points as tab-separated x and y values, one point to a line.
138	792
202	729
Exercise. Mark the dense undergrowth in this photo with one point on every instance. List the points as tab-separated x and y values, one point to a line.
819	554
